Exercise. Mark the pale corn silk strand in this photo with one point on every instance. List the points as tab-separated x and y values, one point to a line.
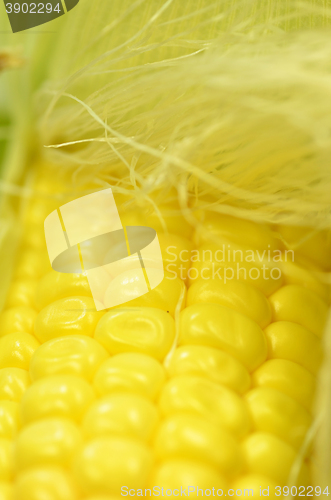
226	102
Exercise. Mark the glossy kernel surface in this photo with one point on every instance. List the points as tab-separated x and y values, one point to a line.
217	326
51	441
211	363
130	372
68	316
200	396
57	396
129	462
145	330
121	414
72	355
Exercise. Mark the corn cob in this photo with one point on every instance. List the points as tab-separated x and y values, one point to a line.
210	388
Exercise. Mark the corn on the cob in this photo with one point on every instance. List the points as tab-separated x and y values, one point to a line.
93	401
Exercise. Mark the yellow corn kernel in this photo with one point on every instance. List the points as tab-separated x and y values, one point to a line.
130	372
145	330
55	286
256	485
72	355
126	296
106	464
180	474
290	341
165	296
121	414
69	316
313	245
270	456
32	264
6	460
215	402
16	350
287	377
22	293
218	326
57	396
300	305
295	274
13	383
279	414
209	264
45	482
189	436
52	441
6	490
176	253
171	220
222	227
9	419
236	295
17	319
214	364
